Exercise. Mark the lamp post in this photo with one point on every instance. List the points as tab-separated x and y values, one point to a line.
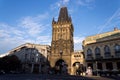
61	52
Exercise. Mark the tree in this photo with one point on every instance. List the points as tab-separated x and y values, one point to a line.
10	63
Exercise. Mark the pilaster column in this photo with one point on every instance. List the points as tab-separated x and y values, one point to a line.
114	65
32	67
94	65
104	65
40	68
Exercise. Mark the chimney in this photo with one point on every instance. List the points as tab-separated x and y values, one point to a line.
115	28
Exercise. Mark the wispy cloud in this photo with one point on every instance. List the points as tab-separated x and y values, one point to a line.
59	4
34	25
73	5
78	39
29	29
44	39
84	2
113	20
78	42
34	29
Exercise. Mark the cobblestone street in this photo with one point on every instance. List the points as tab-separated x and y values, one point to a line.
50	77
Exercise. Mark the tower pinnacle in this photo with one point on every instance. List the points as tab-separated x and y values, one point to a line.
63	15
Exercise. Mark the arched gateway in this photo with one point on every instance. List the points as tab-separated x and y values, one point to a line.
61	67
62	45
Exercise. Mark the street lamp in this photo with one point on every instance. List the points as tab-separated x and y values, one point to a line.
61	52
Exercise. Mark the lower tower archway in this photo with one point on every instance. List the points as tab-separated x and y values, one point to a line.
61	67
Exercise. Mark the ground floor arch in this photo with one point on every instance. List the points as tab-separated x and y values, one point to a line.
61	67
78	68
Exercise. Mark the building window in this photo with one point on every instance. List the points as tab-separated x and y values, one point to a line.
109	66
118	65
97	52
117	50
89	52
107	51
99	66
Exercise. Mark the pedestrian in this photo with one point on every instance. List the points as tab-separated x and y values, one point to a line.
89	71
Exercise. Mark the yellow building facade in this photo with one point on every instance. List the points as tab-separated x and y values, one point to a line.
78	62
102	51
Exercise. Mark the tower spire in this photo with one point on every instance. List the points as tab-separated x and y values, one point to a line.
63	15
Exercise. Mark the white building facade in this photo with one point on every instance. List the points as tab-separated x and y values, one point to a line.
34	57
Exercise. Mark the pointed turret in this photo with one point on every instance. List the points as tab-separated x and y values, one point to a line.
63	15
53	21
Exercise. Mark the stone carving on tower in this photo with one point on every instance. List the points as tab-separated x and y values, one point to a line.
62	45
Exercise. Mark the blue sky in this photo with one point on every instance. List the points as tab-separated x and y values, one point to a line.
24	21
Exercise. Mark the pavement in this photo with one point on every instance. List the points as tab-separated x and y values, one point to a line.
53	77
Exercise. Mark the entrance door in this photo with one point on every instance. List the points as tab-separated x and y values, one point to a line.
60	67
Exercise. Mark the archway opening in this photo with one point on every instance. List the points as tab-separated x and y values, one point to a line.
61	67
78	68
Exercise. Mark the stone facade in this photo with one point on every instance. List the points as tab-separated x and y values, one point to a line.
62	45
77	61
34	57
102	51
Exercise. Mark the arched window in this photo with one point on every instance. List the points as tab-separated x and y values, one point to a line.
107	51
117	50
97	52
89	52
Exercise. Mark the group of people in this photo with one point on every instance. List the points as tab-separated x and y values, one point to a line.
87	73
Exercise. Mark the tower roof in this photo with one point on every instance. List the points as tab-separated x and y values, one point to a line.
63	15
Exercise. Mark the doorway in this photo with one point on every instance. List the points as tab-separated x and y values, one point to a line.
61	67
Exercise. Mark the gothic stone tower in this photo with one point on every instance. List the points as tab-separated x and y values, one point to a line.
62	45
